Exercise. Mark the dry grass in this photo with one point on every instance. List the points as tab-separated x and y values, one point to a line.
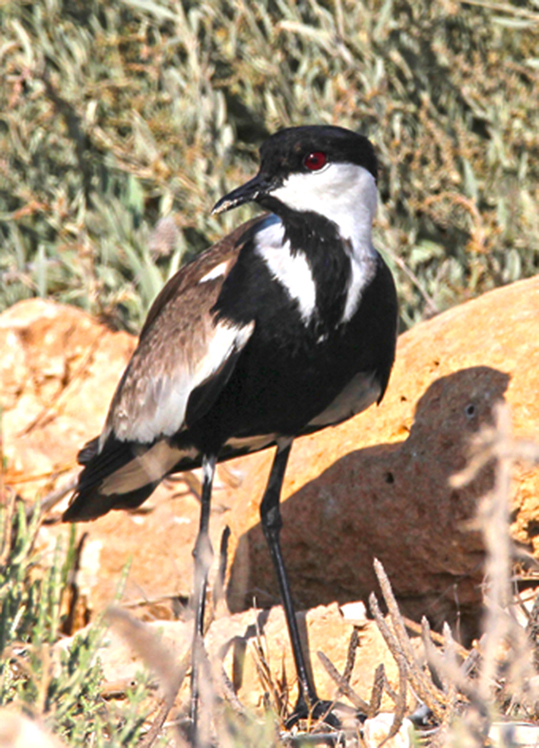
121	123
465	697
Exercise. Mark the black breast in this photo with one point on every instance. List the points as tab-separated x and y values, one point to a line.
290	371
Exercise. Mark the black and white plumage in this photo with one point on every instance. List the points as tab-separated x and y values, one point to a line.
284	327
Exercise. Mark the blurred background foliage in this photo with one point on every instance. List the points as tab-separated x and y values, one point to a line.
123	121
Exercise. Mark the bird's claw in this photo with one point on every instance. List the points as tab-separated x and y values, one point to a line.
314	711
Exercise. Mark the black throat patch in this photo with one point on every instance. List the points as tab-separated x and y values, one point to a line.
320	241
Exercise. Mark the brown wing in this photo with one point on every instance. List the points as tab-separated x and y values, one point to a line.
181	346
182	350
189	276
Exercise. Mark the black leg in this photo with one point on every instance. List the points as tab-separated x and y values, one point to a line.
270	515
203	554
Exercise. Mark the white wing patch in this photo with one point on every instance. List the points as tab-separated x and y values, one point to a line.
215	272
291	270
345	194
157	405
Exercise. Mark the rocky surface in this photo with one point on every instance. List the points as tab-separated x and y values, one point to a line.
378	484
19	731
374	486
58	367
234	643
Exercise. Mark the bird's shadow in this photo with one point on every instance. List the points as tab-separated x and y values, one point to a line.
393	502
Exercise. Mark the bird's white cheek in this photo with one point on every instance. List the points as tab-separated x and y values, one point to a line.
330	191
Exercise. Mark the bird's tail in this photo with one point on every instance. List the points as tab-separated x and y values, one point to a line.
120	475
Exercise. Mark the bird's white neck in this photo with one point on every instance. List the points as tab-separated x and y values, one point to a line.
346	195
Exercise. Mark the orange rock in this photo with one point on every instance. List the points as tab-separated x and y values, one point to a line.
57	370
378	485
323	629
374	486
231	643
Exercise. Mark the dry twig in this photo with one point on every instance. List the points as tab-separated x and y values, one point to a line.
401	648
343	684
156	655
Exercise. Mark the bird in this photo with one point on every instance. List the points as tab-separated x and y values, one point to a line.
285	326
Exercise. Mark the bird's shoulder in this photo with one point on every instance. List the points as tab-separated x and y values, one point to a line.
195	287
182	346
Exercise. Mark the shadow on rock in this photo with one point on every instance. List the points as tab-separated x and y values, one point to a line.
393	502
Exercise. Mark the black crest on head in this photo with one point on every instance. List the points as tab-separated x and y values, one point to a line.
286	151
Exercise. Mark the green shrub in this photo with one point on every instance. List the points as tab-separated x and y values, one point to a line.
114	114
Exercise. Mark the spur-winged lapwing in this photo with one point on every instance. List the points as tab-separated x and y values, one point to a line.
284	327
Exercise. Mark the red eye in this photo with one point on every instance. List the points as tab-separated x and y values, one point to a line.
315	160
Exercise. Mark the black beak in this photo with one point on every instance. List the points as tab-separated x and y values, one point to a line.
252	191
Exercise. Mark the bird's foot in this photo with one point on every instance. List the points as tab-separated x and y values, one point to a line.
313	711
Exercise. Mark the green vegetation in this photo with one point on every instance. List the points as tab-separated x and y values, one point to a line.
114	115
62	687
121	124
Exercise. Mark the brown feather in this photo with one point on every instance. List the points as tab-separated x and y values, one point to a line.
175	342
